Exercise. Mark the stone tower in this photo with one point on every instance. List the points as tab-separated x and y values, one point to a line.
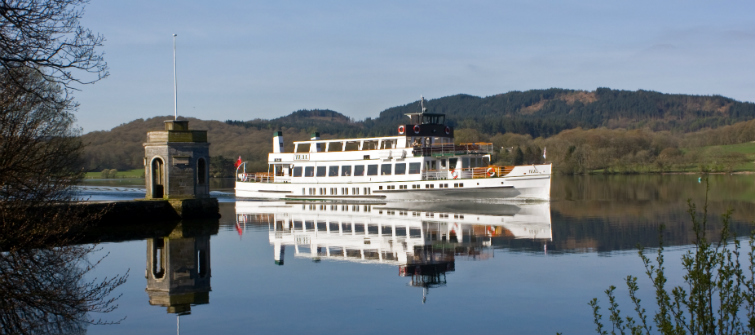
176	162
178	271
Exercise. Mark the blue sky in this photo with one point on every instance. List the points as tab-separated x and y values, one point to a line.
243	60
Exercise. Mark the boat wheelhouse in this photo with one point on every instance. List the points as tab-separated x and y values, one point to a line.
420	162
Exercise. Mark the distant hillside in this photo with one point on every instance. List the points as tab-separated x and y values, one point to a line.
121	148
548	112
538	113
323	121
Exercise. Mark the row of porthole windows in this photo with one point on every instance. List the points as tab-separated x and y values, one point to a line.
357	170
366	190
354	228
334	191
368	208
419	186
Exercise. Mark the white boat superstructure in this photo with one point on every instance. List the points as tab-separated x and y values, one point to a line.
420	162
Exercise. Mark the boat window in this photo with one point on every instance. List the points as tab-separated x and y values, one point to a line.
388	144
359	228
465	162
359	170
414	168
346	170
401	168
321	171
370	145
333	171
297	171
385	169
333	227
372	170
443	163
302	147
452	163
309	171
335	146
352	145
415	232
485	161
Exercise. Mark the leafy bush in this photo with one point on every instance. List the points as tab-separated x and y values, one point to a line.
718	295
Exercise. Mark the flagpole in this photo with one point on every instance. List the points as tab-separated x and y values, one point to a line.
175	89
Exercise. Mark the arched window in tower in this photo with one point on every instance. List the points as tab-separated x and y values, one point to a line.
201	171
201	263
158	178
158	258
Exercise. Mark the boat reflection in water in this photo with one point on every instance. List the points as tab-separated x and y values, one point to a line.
424	239
178	268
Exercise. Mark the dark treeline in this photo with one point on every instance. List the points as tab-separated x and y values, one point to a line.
543	113
610	130
539	113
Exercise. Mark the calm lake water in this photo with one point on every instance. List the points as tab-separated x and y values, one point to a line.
487	267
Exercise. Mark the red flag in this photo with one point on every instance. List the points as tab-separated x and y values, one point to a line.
238	162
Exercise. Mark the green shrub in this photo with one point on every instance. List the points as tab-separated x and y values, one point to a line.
717	297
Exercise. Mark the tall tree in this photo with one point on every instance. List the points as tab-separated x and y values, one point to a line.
43	50
45	36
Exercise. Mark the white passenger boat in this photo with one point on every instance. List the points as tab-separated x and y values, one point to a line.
420	162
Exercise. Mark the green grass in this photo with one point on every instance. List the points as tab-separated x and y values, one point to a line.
135	173
748	149
745	148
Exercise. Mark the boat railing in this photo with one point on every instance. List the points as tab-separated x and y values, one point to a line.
259	177
454	149
435	175
490	171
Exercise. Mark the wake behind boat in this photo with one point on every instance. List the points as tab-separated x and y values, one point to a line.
421	162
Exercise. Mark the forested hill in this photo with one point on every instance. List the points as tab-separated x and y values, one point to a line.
538	113
548	112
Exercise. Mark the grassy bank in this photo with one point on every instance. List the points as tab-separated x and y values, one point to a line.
112	174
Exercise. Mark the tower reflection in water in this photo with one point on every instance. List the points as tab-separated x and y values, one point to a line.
423	239
178	267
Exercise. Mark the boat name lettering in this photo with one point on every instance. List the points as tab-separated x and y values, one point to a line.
533	171
301	157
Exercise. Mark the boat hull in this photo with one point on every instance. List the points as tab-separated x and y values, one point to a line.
533	186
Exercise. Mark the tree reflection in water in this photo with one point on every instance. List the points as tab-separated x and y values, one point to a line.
45	291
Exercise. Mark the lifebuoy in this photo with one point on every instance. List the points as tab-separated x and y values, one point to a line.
401	130
448	131
491	172
242	176
416	129
454	174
